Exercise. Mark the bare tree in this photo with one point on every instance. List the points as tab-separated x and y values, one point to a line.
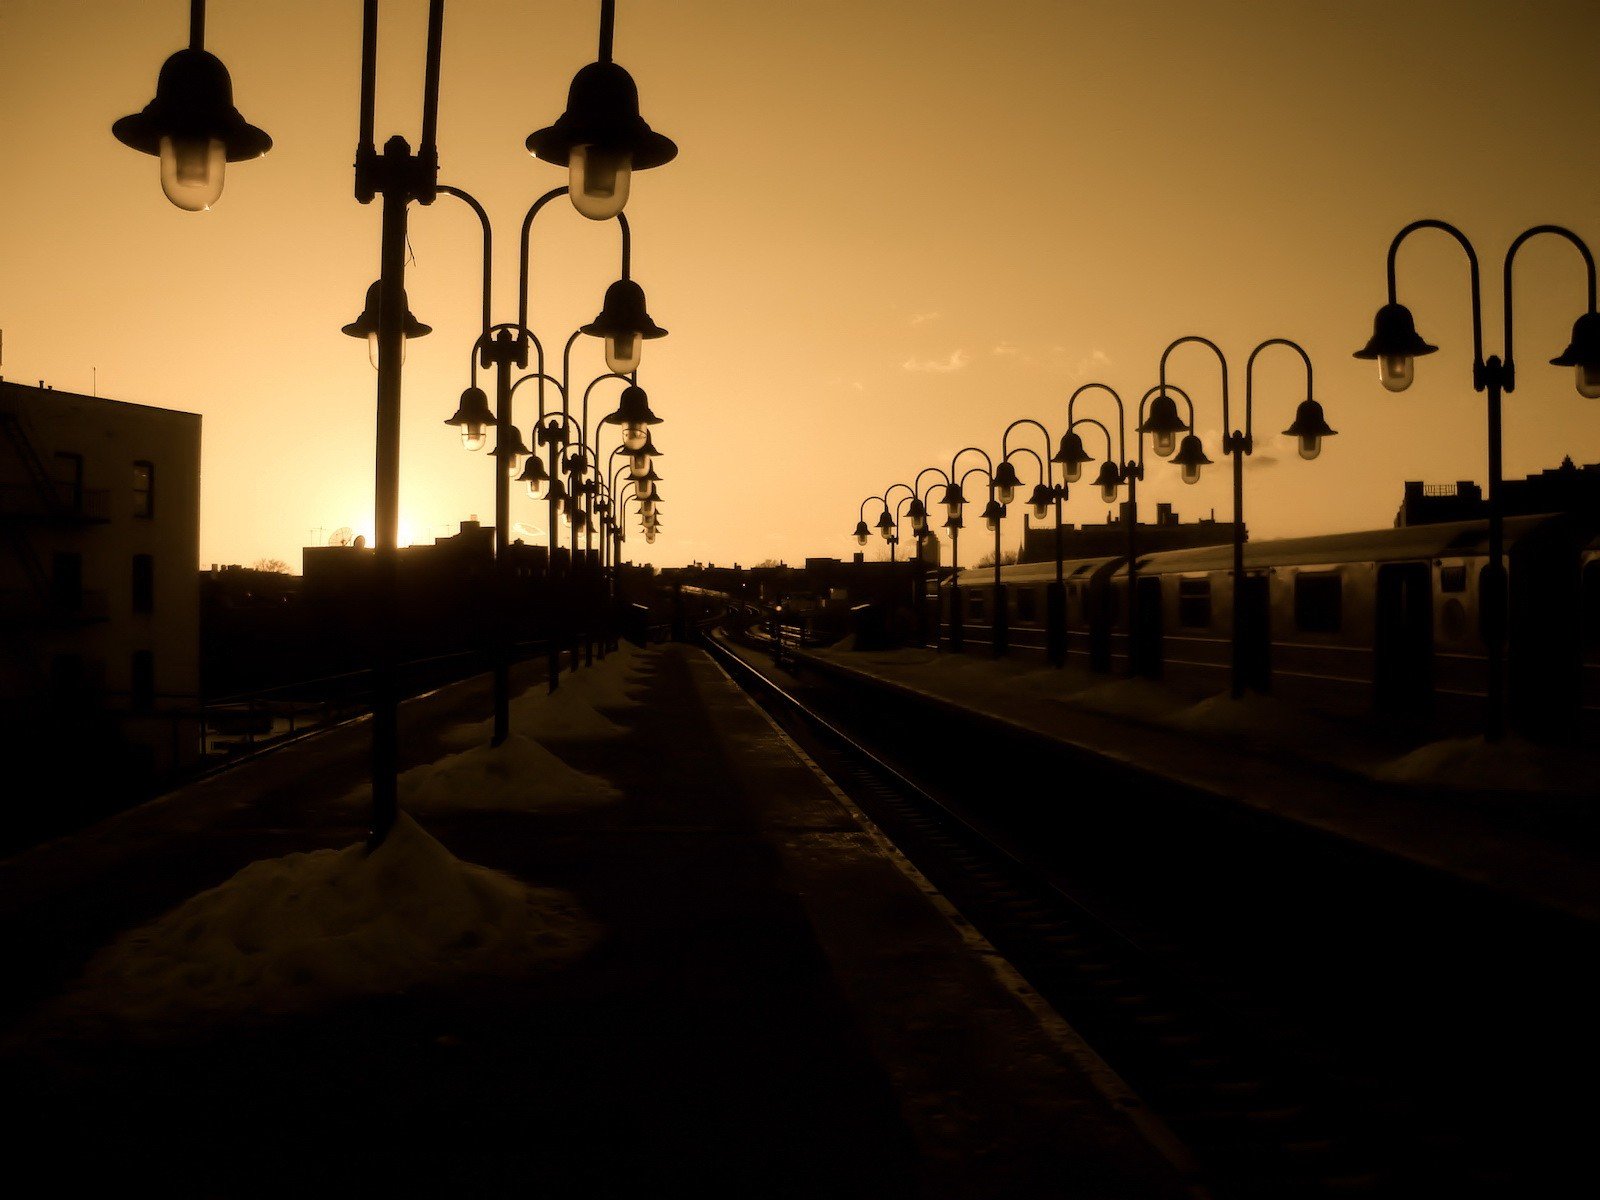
275	566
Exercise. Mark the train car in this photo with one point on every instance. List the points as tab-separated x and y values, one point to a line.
1386	620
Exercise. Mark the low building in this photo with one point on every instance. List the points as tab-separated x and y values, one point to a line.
1568	488
99	595
1166	532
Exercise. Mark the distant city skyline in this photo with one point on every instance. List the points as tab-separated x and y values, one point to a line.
893	229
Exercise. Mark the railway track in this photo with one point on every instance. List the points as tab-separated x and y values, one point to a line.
1270	1100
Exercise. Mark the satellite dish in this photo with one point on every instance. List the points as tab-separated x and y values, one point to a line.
342	536
361	541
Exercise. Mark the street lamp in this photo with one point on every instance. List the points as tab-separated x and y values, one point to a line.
473	417
601	139
367	324
1045	494
993	511
625	326
634	416
1395	345
192	126
1251	609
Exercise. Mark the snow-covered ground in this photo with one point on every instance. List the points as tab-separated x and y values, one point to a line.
309	930
1258	723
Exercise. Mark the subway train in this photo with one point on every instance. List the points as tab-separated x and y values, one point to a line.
1383	622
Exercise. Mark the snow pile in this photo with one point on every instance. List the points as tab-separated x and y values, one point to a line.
1264	717
308	930
519	775
1473	763
1136	698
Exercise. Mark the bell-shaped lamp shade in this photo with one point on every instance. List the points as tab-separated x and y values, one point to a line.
511	449
1583	355
1040	502
1396	346
634	415
953	500
862	534
601	139
1006	482
1309	428
366	325
918	515
535	476
885	525
1071	455
473	417
992	512
1108	480
193	129
1191	457
1163	425
625	324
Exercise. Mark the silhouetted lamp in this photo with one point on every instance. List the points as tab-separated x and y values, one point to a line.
885	525
992	512
1163	425
625	325
634	415
953	500
1310	427
1071	455
918	515
1396	345
1108	480
1006	482
473	417
1040	502
645	485
510	449
535	476
862	534
1191	455
192	125
1583	354
366	325
639	459
601	139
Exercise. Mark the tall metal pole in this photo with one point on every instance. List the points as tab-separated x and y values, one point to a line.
1495	592
504	351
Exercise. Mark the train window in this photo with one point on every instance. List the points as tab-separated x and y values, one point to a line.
1453	579
1317	603
1027	604
975	604
1453	621
1194	603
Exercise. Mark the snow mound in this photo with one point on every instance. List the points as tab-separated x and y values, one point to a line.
563	713
1255	715
1136	698
1473	763
519	775
309	930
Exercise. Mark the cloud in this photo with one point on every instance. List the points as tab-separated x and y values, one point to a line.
956	360
1079	368
1006	349
924	318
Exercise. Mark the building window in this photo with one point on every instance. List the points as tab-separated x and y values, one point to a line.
1194	603
144	583
1317	603
144	489
1453	579
66	581
142	685
71	488
1027	604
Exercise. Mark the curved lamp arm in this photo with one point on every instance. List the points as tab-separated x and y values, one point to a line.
1222	361
1122	419
1525	235
1477	294
972	450
1046	472
1248	444
488	248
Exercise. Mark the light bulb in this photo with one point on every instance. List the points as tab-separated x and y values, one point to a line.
1108	491
1191	472
372	349
991	523
191	171
649	535
1588	380
919	523
1395	371
512	463
954	509
598	181
536	488
473	436
1041	512
634	435
1310	445
639	465
623	351
1072	471
863	538
1164	442
1005	494
885	531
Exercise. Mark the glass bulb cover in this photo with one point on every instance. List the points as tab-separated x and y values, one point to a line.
634	436
1041	512
1072	472
863	538
1310	446
598	181
1588	380
191	171
919	523
536	488
1163	443
473	436
1005	494
639	465
623	352
1395	371
1191	472
1108	492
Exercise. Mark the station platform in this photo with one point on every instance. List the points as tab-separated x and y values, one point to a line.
1517	819
768	1001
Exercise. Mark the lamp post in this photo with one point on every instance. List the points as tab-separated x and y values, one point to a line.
993	512
1046	494
1396	345
1247	670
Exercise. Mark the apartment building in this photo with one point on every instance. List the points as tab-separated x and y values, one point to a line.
99	591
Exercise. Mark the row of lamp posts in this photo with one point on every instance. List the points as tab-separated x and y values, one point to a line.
194	130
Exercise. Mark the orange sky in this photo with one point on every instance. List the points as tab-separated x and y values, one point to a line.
893	227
